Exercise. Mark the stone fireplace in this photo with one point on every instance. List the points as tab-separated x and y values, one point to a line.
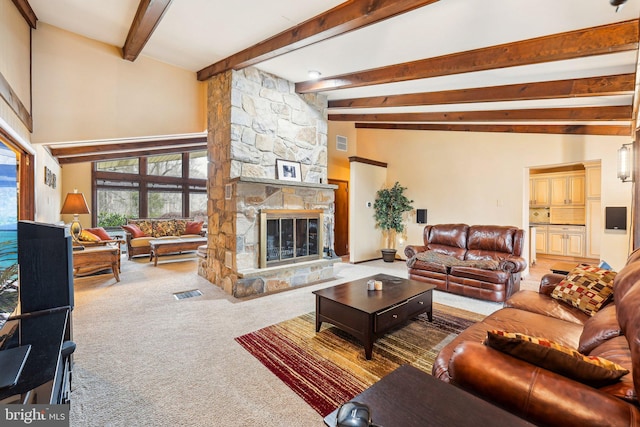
254	119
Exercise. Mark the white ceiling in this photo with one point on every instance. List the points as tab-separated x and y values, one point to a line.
196	33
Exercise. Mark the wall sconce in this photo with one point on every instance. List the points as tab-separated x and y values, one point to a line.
625	155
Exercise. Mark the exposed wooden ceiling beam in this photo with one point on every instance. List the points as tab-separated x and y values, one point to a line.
128	154
622	84
534	114
27	12
615	130
176	143
348	16
600	40
147	17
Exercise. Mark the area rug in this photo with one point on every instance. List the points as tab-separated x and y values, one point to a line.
328	368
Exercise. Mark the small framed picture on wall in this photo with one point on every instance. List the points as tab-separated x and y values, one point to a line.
288	171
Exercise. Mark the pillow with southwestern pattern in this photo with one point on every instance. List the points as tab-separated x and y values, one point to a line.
586	287
547	354
145	225
164	227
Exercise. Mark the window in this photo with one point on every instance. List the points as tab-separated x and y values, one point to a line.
198	164
122	166
167	185
165	165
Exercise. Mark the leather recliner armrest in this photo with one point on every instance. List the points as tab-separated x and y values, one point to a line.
549	281
411	250
513	264
533	393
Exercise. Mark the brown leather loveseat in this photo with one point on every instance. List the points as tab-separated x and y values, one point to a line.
479	261
543	395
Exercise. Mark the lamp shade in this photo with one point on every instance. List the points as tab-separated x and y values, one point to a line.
75	204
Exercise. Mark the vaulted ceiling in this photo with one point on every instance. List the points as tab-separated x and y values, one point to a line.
546	66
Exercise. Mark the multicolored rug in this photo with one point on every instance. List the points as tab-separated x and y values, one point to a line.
329	368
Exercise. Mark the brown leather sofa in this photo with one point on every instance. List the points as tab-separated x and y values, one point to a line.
539	395
479	261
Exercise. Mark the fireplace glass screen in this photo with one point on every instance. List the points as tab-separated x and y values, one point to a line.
290	236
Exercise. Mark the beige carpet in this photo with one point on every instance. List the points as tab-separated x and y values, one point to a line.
144	358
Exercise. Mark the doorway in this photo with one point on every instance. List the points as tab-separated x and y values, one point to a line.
341	217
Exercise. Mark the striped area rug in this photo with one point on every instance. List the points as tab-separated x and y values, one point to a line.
329	368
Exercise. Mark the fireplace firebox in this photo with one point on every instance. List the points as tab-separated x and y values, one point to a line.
290	236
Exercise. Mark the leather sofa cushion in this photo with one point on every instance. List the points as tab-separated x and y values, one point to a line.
617	350
453	235
566	361
525	322
543	304
600	328
491	238
491	276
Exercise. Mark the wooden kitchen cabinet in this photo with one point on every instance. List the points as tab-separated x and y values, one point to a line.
566	241
541	239
567	189
539	191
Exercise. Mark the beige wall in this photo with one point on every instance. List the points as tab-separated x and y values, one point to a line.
76	176
84	90
365	241
14	66
482	178
338	162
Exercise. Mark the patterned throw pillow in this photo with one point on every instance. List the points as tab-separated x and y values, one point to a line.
181	225
586	287
145	225
547	354
164	227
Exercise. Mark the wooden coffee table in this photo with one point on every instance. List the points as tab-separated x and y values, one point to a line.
172	246
409	397
367	315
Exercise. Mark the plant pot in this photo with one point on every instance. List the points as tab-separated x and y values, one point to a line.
388	255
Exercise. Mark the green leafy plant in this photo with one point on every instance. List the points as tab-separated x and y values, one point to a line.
111	219
389	206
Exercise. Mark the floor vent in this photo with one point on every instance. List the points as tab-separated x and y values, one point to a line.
187	294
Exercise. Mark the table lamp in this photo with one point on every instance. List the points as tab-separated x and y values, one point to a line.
75	204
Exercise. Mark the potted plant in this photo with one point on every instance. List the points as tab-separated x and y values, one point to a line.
389	206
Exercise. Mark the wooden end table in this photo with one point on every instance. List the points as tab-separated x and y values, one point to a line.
409	397
172	246
367	315
95	258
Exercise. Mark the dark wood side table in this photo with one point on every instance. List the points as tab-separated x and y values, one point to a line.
562	267
367	315
409	397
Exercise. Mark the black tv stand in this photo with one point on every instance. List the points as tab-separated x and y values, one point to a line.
45	375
